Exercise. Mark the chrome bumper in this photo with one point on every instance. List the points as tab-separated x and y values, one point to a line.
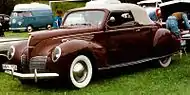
34	75
21	28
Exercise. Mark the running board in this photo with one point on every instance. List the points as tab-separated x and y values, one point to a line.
132	63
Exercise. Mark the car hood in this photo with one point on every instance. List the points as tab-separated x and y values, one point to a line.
38	36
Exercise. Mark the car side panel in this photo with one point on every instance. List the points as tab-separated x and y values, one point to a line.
129	44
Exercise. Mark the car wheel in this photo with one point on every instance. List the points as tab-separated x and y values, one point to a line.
80	71
29	28
49	27
164	62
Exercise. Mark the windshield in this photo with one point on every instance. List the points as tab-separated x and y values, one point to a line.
21	14
89	18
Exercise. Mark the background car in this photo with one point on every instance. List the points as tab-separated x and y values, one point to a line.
4	23
30	17
105	36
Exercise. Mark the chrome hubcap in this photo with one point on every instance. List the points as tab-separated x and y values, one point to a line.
29	29
49	27
80	71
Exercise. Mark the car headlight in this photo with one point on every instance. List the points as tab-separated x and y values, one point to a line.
19	23
14	21
11	52
56	54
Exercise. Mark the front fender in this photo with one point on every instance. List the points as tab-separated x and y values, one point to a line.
71	49
165	42
160	33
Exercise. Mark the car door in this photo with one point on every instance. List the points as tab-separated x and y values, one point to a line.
127	40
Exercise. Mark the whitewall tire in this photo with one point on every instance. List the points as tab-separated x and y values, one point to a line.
81	71
164	62
49	27
29	28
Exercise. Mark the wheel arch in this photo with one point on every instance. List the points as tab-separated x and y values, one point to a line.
91	56
30	25
165	42
160	33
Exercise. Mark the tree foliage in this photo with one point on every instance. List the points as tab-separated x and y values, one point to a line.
6	6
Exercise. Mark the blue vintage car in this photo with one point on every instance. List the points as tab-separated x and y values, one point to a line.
31	16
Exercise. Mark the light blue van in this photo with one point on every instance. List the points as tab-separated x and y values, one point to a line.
29	17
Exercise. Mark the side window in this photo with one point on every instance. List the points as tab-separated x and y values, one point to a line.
120	17
42	13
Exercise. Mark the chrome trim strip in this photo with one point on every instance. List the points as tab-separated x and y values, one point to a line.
22	28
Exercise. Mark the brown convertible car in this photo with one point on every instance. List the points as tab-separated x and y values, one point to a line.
92	38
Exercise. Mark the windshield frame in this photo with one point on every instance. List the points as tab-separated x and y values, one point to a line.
106	12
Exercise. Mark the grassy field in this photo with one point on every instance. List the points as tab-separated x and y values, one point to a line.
135	80
11	34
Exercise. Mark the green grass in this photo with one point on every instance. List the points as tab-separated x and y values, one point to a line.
11	34
136	80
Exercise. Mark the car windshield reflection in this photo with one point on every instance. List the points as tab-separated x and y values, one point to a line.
84	18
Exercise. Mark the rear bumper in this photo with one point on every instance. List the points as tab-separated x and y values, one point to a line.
34	75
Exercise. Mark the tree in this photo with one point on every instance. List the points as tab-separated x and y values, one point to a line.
6	6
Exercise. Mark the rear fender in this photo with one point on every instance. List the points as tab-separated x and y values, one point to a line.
160	33
165	42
